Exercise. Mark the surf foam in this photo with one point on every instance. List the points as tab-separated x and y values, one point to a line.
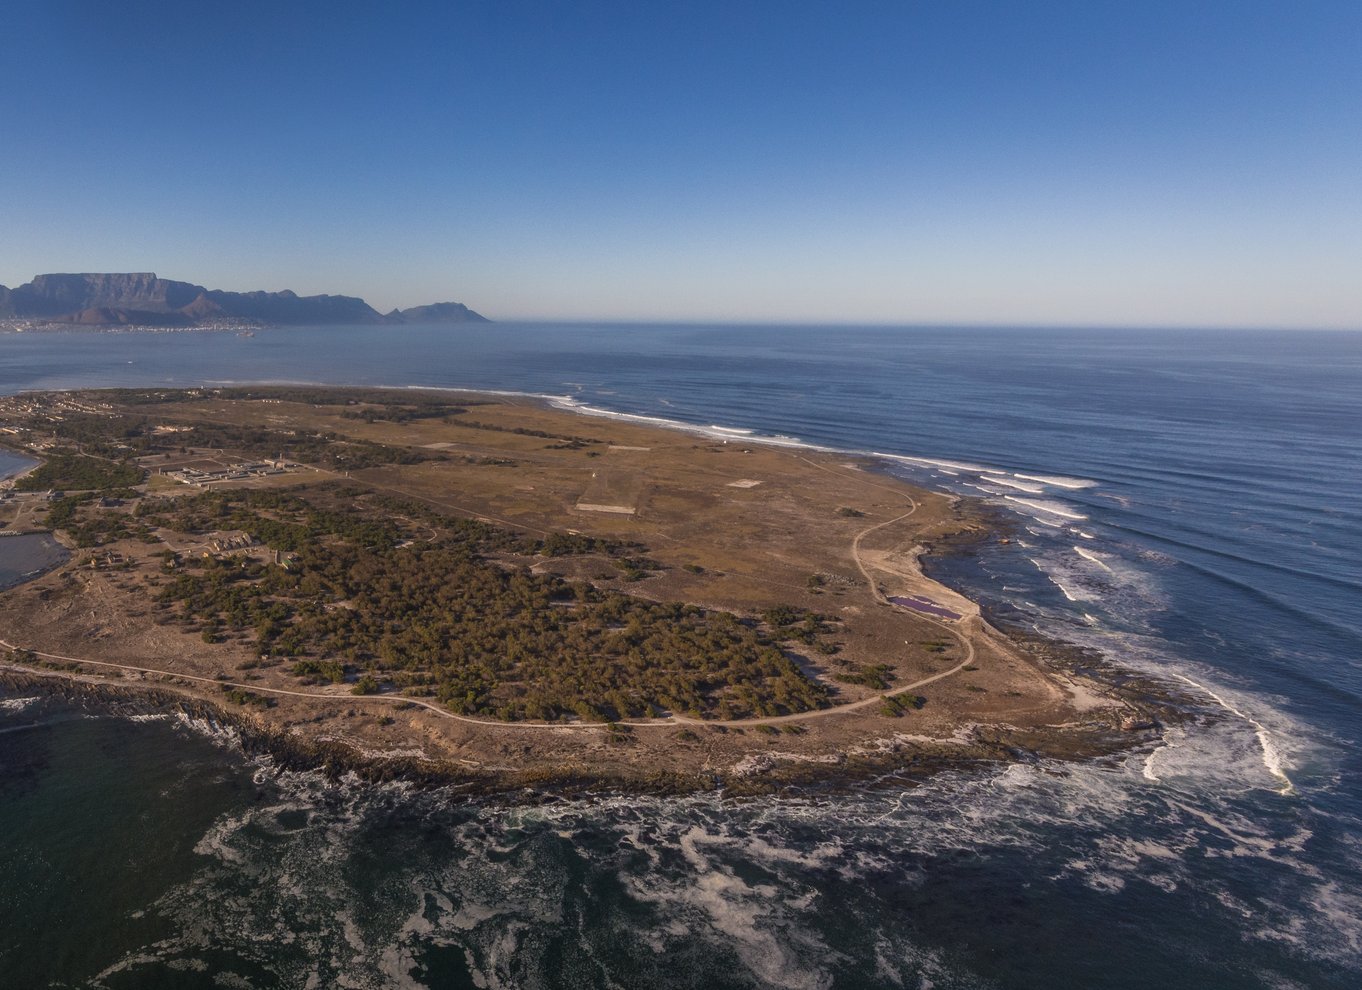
1059	481
1053	508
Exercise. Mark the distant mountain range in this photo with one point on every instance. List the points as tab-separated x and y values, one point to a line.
143	299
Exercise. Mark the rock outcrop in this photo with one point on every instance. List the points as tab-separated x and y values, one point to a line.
445	312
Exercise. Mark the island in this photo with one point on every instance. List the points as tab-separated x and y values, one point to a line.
488	590
143	299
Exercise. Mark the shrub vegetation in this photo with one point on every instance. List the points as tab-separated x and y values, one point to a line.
463	619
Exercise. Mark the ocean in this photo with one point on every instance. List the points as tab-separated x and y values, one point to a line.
1189	503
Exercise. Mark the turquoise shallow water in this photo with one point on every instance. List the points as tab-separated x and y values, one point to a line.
1187	502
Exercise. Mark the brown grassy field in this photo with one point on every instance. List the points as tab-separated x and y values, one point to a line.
731	526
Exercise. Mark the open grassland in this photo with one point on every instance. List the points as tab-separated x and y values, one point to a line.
505	564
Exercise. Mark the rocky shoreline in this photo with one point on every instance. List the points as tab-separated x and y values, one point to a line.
899	761
1071	705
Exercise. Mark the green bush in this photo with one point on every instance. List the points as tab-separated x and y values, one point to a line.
80	472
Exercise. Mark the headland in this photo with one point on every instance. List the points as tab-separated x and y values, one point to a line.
483	589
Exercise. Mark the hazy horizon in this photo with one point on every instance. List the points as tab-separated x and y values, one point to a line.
1056	164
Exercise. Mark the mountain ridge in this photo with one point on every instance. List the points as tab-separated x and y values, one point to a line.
146	299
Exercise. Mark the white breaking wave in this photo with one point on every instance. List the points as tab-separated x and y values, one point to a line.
1094	558
1019	485
930	462
1272	757
1067	593
1053	508
1059	481
718	432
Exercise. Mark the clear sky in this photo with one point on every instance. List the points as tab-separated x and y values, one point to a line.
1137	162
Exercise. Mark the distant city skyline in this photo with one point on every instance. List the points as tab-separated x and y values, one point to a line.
1054	163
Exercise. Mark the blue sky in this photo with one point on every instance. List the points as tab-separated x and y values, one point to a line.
1009	162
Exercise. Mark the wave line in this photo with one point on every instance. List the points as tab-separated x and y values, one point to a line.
1272	760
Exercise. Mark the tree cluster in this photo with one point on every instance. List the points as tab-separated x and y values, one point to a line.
481	634
80	472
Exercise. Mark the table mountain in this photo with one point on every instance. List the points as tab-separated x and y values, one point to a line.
144	299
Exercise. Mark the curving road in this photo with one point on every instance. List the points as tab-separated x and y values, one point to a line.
390	699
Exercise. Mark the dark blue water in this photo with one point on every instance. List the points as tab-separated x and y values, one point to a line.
11	463
1189	503
24	556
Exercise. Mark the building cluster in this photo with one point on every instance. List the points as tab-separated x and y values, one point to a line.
51	408
236	472
227	542
106	560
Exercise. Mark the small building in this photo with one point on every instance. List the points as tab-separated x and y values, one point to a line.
230	542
